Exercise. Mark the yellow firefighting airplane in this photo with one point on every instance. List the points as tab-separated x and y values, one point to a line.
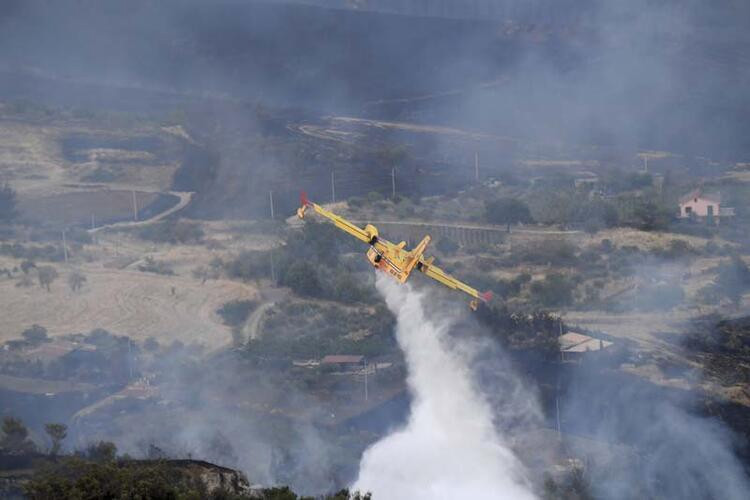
394	259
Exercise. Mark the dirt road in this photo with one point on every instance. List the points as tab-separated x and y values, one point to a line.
184	196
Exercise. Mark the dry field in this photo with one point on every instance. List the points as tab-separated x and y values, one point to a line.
78	207
120	298
53	167
125	302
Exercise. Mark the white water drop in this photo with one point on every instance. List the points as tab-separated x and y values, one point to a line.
449	448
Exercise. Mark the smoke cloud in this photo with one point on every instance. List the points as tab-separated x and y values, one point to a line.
449	448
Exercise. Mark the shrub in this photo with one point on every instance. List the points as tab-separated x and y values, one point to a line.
554	252
374	196
555	290
7	203
356	202
676	249
158	267
302	277
345	288
507	211
248	265
35	334
182	232
236	312
733	279
46	275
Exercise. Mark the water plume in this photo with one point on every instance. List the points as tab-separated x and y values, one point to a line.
449	448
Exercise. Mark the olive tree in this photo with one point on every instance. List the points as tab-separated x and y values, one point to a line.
46	275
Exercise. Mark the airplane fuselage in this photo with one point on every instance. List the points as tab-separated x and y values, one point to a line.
387	264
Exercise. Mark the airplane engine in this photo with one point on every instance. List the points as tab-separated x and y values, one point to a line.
372	232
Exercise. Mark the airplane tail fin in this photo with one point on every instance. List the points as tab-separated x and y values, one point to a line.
483	297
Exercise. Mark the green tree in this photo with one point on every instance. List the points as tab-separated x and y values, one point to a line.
15	436
733	279
103	451
46	275
7	203
57	433
650	216
76	279
236	312
507	211
302	277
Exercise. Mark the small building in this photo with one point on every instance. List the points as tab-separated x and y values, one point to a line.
574	345
698	204
344	362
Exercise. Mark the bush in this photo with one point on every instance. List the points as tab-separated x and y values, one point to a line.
356	202
507	211
555	290
650	216
302	278
345	288
35	335
52	253
181	232
733	279
46	275
236	312
374	196
676	249
554	252
158	267
7	203
249	265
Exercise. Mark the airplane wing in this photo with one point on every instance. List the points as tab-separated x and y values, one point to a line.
338	221
434	272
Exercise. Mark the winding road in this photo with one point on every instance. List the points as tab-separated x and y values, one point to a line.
184	199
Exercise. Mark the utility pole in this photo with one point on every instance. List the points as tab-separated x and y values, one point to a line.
557	389
135	206
65	246
130	361
273	271
557	407
476	166
270	197
393	183
366	369
333	189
